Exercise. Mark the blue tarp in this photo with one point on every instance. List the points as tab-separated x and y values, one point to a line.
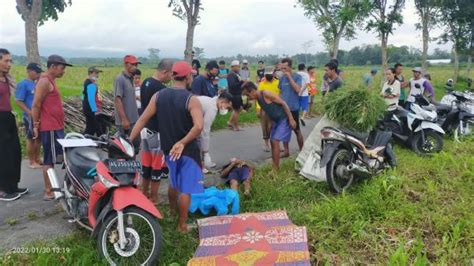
217	199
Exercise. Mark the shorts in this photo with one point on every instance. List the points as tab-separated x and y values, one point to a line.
28	127
304	103
153	160
52	150
237	102
281	131
240	174
296	117
185	175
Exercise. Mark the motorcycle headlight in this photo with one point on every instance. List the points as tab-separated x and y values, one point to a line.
106	182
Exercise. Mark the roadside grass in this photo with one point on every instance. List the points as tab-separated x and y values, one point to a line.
419	213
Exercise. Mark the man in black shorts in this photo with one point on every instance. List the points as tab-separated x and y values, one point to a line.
235	88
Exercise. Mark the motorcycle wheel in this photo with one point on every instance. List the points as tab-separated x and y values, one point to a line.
433	142
337	176
143	233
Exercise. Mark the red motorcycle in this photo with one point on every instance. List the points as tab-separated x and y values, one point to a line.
99	192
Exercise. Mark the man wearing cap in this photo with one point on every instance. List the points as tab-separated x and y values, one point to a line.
180	122
90	101
203	84
419	86
126	110
267	83
235	83
153	161
24	96
245	71
48	116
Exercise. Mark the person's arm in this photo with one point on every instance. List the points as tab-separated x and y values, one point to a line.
429	89
148	114
196	114
119	91
42	89
91	91
276	99
294	85
227	170
20	96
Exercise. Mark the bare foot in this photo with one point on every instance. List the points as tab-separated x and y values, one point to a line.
35	165
286	155
183	229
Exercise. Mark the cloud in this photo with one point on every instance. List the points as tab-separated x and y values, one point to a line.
265	43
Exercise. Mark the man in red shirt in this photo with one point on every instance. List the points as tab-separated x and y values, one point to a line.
48	117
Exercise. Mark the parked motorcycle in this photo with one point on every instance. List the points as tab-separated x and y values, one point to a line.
416	128
459	121
347	155
99	193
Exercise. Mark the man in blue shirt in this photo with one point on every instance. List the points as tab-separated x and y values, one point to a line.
90	102
203	84
24	95
290	87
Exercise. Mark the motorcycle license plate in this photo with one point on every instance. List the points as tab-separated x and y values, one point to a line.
124	167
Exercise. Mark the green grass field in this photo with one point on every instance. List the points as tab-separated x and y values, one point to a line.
419	213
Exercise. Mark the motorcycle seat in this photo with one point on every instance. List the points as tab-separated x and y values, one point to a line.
443	108
80	160
358	135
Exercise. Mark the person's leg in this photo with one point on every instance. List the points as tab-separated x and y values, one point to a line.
173	199
311	106
155	187
236	119
234	184
184	201
276	154
49	150
146	187
286	150
37	150
300	139
264	123
247	187
48	193
30	149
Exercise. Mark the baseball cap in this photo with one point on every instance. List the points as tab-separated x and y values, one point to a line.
417	69
235	63
245	61
268	70
93	69
35	67
131	59
181	69
57	59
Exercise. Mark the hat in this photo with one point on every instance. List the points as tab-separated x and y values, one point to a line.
417	69
235	63
268	70
131	59
181	69
57	59
245	61
35	67
374	70
93	69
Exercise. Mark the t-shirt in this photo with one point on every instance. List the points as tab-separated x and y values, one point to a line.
209	111
124	88
305	82
393	102
333	85
222	84
235	83
425	89
202	86
137	97
402	91
25	92
288	94
149	87
260	74
245	74
271	86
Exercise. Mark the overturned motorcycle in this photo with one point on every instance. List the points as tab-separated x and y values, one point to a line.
99	193
347	155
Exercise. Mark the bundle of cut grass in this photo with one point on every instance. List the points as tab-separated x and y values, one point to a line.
357	109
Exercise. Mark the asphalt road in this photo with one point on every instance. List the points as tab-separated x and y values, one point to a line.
30	218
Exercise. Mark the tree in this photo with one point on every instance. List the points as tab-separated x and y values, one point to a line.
459	29
35	13
337	19
428	10
187	10
154	54
306	45
383	17
198	52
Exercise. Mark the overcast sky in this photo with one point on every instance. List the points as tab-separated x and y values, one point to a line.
116	27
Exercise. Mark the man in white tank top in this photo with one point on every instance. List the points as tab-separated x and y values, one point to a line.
424	88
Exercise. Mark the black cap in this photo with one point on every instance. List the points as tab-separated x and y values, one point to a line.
93	69
35	67
57	59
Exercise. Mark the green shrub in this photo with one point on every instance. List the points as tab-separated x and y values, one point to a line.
357	109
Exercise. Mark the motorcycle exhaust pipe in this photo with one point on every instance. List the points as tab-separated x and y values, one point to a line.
358	170
53	179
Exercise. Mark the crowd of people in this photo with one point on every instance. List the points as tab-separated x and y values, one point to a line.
168	116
